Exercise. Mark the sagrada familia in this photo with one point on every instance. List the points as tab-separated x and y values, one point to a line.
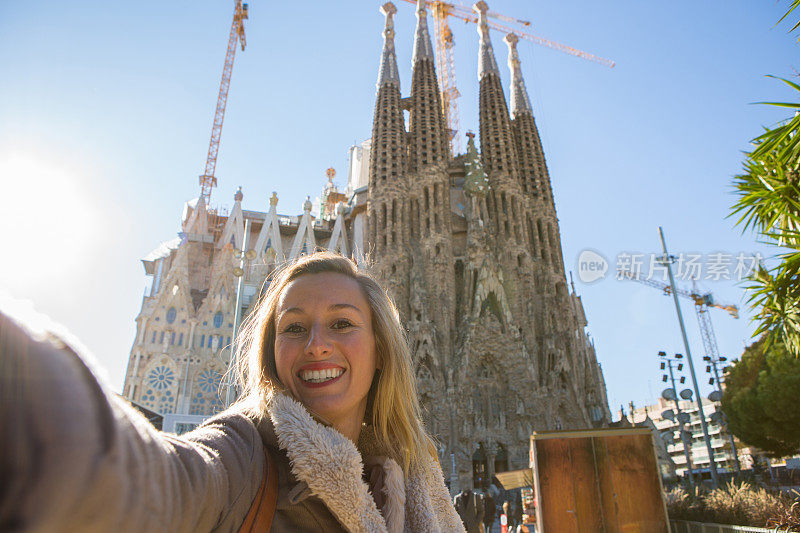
467	244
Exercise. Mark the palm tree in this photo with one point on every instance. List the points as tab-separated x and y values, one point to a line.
769	203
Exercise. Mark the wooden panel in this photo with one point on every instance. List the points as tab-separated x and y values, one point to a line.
555	485
570	499
629	484
589	512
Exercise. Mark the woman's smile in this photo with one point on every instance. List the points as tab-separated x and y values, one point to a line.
320	374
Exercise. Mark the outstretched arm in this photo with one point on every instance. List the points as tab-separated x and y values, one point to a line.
74	457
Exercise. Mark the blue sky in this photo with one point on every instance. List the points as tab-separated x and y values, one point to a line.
107	108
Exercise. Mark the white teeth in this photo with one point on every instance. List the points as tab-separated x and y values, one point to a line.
319	376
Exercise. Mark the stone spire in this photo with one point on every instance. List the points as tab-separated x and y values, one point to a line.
532	167
486	61
388	128
387	180
519	94
497	147
388	73
422	39
429	144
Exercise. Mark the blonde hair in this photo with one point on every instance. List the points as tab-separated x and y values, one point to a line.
393	408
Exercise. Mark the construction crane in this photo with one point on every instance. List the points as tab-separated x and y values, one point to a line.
207	179
445	64
702	303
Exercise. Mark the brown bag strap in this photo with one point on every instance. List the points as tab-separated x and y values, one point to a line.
259	517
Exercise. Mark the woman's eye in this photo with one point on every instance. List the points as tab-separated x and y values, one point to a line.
342	323
293	328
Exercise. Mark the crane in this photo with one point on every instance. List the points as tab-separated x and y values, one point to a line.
207	179
445	64
699	299
702	303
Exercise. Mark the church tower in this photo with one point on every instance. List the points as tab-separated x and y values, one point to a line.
469	248
431	316
387	206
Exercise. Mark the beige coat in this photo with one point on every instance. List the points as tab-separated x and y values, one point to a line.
74	457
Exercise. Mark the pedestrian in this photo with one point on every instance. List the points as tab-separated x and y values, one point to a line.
326	436
517	512
504	517
470	507
489	511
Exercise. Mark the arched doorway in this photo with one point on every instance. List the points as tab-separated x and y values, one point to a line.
501	459
480	468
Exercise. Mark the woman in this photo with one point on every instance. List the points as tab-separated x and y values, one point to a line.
328	409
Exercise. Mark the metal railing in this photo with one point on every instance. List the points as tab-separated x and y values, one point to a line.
683	526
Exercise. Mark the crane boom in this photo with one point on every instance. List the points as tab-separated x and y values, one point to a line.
445	63
706	299
207	179
702	302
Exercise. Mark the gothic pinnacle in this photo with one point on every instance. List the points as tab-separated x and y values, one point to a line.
486	61
520	103
422	38
388	74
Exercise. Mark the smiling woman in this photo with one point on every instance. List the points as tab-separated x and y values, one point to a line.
326	436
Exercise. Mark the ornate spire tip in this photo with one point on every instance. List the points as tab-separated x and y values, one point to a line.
388	10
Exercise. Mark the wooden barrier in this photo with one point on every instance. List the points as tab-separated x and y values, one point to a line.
603	480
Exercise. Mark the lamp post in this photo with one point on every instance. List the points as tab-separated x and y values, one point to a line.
717	397
687	448
667	260
245	257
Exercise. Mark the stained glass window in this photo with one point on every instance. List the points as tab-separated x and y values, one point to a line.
209	380
171	315
202	340
161	377
218	319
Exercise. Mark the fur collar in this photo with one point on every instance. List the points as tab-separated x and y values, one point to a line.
331	465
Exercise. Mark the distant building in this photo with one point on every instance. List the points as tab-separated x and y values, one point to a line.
669	431
468	245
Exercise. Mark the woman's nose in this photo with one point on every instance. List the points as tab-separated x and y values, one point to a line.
319	344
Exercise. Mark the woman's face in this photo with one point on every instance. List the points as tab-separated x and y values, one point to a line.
325	346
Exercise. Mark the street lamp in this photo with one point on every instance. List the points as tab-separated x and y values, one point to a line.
667	261
716	396
244	257
681	417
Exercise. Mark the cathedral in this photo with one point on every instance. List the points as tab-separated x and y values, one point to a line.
467	244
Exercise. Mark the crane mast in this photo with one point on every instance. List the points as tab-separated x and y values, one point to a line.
446	70
207	179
